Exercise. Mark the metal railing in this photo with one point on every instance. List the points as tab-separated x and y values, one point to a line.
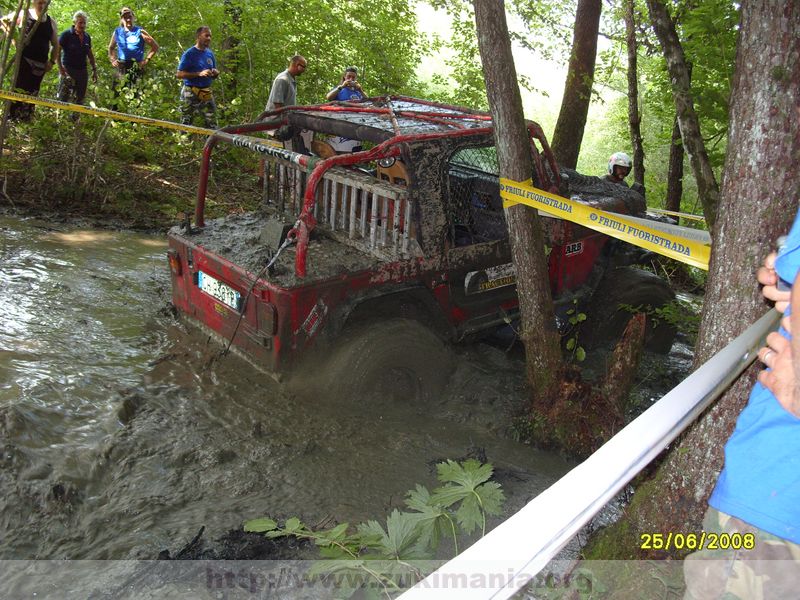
351	205
515	551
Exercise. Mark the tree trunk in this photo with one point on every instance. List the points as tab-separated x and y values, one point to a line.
543	354
707	186
634	118
759	200
571	122
675	172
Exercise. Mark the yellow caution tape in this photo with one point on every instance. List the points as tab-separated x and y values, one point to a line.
103	112
682	215
680	248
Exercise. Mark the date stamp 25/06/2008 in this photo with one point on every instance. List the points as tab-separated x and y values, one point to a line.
697	541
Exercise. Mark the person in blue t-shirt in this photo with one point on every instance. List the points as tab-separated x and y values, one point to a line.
754	509
126	50
75	47
198	69
348	89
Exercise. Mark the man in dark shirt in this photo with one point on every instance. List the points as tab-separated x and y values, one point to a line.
75	46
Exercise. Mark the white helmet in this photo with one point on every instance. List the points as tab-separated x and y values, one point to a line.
619	159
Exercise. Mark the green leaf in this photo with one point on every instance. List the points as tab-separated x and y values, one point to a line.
293	525
260	525
469	515
492	498
571	343
470	473
580	354
581	317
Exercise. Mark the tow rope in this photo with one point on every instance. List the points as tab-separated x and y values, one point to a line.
680	243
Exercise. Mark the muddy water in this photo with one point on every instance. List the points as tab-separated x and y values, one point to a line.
121	435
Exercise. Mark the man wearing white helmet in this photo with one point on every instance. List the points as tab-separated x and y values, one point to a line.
619	165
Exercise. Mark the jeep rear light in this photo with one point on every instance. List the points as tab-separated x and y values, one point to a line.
174	262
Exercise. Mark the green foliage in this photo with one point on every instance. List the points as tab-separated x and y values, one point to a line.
575	318
381	554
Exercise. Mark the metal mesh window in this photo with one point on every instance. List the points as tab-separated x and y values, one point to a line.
475	210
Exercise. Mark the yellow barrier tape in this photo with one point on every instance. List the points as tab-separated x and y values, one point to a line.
615	225
682	215
103	112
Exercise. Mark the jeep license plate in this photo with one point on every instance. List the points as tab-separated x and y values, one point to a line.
218	290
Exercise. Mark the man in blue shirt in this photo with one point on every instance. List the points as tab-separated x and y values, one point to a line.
348	89
198	69
75	46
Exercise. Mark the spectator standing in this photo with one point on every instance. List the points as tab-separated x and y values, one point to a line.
348	89
755	505
284	88
284	93
126	50
38	56
75	47
198	69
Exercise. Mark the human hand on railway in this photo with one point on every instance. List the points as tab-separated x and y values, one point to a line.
780	379
767	277
114	62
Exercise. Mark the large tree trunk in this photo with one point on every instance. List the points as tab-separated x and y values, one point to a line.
571	122
675	172
634	118
513	156
759	200
687	117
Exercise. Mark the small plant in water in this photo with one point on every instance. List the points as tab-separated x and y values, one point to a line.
382	558
575	318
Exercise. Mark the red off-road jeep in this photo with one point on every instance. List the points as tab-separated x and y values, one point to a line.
393	252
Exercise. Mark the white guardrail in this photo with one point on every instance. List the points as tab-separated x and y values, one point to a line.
510	555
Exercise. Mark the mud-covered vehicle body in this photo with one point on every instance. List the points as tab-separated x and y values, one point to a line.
392	250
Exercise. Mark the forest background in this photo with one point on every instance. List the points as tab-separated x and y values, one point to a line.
423	49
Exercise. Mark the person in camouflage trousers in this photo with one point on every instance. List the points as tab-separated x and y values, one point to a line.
198	69
753	565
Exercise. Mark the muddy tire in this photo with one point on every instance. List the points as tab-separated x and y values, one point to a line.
631	287
394	360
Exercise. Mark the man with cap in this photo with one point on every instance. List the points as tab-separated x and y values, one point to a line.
126	50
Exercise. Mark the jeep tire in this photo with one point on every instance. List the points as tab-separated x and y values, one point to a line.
631	287
394	359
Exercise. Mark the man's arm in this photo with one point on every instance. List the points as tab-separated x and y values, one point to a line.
55	47
112	46
92	62
59	64
148	39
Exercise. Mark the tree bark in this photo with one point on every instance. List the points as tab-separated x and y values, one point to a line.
568	133
693	144
675	172
759	201
542	349
634	118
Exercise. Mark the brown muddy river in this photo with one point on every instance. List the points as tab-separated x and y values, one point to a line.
121	438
